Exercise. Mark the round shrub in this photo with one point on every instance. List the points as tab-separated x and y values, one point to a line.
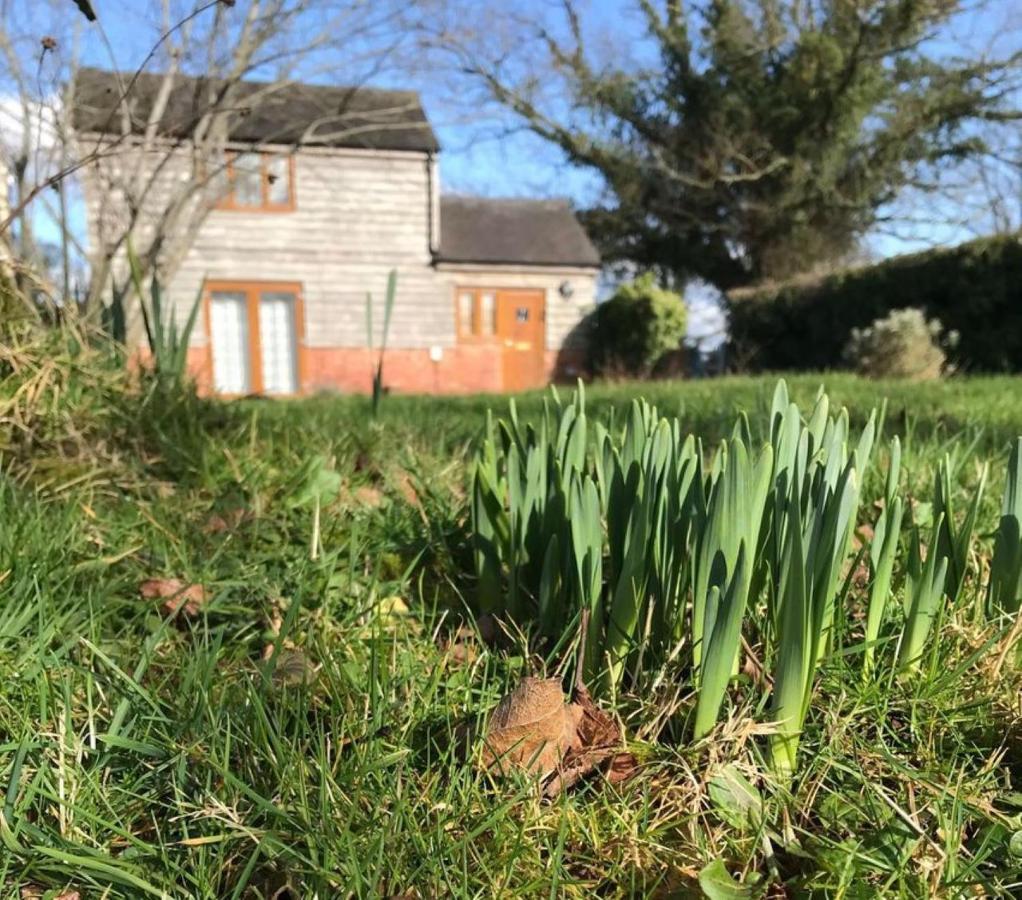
636	327
900	345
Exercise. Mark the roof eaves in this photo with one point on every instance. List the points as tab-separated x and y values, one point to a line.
503	261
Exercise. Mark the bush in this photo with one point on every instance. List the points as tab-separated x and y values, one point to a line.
636	327
900	345
974	289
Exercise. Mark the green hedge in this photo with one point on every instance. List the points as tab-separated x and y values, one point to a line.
636	328
975	289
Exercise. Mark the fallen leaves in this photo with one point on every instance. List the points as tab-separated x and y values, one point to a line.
229	520
188	599
464	645
368	496
292	668
536	729
600	748
36	892
407	489
393	609
532	728
461	647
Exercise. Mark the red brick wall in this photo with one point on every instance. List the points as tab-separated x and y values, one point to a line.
461	370
465	369
200	366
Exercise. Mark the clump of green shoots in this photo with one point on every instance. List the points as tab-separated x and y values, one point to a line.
725	555
924	587
677	558
1005	588
168	346
816	504
953	541
883	551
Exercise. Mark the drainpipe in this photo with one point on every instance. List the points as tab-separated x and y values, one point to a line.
433	186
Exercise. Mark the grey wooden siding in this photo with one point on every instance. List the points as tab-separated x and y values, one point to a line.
358	214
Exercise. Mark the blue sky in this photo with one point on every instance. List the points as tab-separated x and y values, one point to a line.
483	154
480	155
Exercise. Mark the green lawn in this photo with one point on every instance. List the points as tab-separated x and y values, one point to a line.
992	404
144	754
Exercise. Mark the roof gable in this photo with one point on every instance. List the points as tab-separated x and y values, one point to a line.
290	113
512	231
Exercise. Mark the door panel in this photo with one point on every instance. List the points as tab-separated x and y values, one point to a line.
487	314
278	353
522	334
255	336
232	370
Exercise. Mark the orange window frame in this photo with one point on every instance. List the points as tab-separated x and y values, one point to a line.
228	201
252	291
473	333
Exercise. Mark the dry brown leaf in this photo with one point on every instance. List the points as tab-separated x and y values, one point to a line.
175	594
293	669
622	767
599	748
466	643
369	496
535	729
488	629
532	728
406	487
216	525
752	666
862	535
34	891
461	647
229	520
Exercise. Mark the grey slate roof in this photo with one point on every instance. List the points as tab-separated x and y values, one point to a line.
368	118
519	232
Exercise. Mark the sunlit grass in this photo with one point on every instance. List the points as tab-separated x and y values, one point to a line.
141	756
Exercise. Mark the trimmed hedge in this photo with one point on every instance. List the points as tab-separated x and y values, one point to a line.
974	289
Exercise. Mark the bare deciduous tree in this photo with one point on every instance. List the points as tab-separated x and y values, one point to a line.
156	150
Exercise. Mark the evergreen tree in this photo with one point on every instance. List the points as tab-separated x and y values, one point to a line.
769	134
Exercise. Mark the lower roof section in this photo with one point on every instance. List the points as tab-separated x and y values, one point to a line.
503	231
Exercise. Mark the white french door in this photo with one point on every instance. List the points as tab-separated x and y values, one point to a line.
255	329
232	372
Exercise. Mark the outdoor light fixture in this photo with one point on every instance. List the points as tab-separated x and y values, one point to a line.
566	289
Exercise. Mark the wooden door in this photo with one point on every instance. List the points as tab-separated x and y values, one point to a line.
521	333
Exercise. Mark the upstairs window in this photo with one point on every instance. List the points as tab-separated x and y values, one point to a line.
258	182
